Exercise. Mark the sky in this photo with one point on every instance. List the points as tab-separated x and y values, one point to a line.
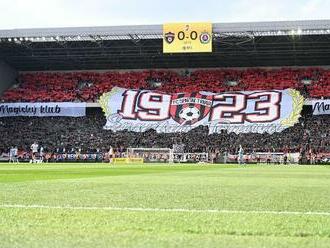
77	13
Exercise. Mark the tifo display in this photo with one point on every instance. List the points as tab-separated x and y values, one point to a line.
238	112
89	86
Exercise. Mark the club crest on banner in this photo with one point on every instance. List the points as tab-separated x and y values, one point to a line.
188	109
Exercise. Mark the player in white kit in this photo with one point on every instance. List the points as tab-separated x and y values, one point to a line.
111	154
41	155
34	149
15	153
11	155
240	155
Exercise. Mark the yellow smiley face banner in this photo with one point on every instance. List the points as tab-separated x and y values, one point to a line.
187	37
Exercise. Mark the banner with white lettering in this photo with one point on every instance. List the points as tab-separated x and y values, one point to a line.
42	109
238	112
321	107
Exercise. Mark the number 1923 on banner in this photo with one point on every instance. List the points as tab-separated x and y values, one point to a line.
187	37
239	112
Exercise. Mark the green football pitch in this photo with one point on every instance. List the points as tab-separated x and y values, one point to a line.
157	205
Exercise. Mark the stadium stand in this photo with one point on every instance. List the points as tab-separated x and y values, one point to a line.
86	134
80	64
88	86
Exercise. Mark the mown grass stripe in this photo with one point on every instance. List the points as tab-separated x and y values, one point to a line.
131	209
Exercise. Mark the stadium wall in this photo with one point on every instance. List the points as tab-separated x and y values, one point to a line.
8	76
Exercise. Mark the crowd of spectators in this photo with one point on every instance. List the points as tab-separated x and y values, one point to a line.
88	86
86	135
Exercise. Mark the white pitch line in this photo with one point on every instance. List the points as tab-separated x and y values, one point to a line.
221	211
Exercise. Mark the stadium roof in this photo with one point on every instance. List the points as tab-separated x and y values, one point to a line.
292	43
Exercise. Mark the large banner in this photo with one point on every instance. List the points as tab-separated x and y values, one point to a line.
238	112
187	37
321	107
42	109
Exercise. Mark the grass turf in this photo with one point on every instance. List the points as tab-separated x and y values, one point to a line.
202	187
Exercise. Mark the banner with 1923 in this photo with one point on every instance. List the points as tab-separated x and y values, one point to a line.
238	112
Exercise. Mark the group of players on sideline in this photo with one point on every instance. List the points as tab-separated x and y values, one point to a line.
37	154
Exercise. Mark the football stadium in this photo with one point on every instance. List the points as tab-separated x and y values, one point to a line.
192	134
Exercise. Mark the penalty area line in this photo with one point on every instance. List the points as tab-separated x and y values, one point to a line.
178	210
